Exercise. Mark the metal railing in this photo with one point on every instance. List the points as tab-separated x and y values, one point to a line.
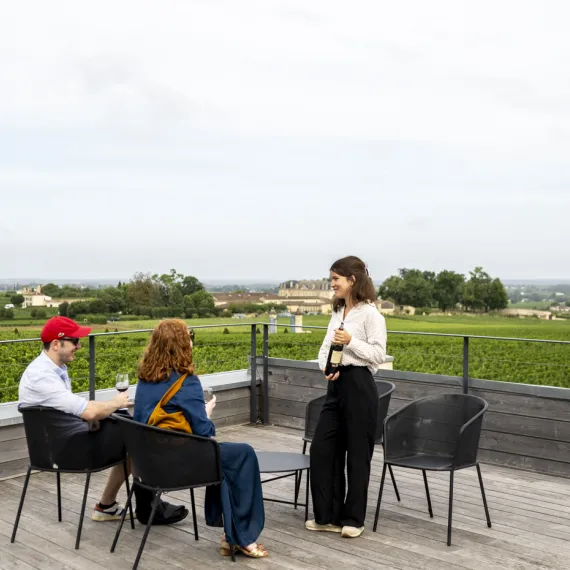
259	345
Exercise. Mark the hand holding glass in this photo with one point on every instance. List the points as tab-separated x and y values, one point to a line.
122	382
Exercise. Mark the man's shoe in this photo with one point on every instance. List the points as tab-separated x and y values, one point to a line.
352	531
112	513
165	514
314	525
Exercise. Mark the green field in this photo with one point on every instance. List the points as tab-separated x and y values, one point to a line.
514	361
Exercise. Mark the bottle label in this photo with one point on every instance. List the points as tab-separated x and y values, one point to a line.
336	357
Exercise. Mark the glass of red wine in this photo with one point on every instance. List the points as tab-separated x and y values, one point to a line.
122	382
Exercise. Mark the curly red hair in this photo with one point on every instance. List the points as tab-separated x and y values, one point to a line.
169	349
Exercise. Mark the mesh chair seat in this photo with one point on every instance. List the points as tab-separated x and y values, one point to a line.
313	412
52	448
164	460
437	433
424	461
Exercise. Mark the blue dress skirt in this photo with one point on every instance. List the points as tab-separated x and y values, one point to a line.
237	504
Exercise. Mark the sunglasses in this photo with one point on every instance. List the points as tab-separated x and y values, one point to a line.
75	341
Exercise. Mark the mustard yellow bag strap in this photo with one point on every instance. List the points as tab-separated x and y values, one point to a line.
172	391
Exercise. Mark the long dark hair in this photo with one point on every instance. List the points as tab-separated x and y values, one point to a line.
362	289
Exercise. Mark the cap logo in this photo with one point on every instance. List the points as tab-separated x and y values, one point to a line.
60	334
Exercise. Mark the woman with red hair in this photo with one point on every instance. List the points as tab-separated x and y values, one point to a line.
238	501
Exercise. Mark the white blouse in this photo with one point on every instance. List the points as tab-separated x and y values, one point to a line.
367	328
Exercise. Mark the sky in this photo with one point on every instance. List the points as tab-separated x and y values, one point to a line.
262	140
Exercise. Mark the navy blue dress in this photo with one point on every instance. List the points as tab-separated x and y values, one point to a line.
237	503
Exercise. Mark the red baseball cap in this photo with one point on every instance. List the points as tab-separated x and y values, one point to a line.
62	327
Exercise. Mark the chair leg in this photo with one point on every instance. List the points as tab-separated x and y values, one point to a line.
299	477
394	482
427	494
450	508
307	494
127	486
129	505
59	496
232	550
380	496
87	479
147	529
194	514
483	495
24	489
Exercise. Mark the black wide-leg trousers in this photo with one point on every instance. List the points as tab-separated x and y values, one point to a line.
344	436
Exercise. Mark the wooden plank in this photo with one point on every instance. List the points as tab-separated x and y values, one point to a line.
13	468
530	513
12	432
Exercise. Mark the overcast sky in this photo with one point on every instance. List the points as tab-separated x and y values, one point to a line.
264	139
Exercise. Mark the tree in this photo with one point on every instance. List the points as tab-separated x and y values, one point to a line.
78	308
190	285
17	299
497	297
114	299
98	306
51	289
203	301
483	293
142	291
411	287
448	289
63	308
475	290
393	289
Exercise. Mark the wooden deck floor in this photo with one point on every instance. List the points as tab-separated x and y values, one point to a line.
530	515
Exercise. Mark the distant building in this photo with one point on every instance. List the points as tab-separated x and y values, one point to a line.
313	288
522	313
222	300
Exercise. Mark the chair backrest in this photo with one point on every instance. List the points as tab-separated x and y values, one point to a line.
312	413
433	425
170	459
385	390
314	407
48	431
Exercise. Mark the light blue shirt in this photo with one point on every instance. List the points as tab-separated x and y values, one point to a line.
44	383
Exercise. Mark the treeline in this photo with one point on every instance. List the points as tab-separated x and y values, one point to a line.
446	290
156	296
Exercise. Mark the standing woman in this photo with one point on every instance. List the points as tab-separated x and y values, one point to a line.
346	428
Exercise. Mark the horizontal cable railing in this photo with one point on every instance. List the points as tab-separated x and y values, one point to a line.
225	347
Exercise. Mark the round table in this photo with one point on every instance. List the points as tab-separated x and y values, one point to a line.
290	463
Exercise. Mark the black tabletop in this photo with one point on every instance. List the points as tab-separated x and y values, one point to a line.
279	462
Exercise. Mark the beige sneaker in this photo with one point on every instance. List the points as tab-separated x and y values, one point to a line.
313	525
351	531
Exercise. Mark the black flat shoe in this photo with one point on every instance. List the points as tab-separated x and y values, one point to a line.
165	514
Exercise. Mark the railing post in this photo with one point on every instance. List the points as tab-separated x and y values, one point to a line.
91	367
465	364
266	374
253	369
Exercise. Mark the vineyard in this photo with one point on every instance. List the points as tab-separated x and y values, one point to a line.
216	351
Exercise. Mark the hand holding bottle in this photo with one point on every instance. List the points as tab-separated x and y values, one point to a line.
342	336
331	377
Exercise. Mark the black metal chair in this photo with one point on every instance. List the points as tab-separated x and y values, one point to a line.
50	450
164	460
437	433
313	411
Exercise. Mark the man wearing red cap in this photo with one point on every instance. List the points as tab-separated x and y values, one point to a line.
45	382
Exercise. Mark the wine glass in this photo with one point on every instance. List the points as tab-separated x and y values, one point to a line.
208	393
122	382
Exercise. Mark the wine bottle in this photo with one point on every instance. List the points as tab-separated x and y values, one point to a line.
335	356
